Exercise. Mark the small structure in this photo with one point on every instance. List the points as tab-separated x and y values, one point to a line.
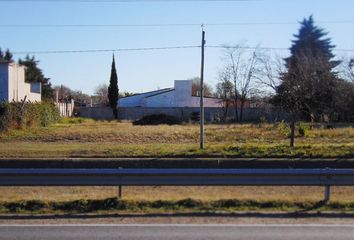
13	86
178	97
65	106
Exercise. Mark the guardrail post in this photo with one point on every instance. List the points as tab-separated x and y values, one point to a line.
327	194
120	191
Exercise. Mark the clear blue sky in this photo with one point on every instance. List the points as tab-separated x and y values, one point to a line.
142	71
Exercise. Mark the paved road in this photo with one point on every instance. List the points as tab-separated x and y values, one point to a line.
193	232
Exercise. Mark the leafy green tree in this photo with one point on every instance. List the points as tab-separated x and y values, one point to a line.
6	56
308	85
113	91
35	75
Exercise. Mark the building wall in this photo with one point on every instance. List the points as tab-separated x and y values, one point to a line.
4	88
211	114
17	88
180	96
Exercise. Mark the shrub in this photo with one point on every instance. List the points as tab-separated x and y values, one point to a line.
195	116
157	119
15	206
263	120
5	116
35	205
78	205
303	129
189	203
20	115
283	128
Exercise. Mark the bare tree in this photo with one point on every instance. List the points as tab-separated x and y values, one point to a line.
224	90
351	69
307	91
346	69
208	90
242	67
65	94
101	94
269	72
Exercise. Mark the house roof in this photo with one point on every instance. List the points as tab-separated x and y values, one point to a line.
159	93
156	92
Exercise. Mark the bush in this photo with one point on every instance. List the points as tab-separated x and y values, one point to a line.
303	129
19	115
283	128
157	119
195	116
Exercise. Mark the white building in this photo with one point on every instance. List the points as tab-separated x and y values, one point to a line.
179	96
13	86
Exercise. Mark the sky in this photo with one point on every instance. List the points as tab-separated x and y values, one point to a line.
140	71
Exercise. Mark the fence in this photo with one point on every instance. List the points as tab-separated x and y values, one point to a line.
178	177
211	114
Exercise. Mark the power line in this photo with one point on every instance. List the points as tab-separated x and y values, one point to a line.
105	50
127	1
268	48
163	48
161	25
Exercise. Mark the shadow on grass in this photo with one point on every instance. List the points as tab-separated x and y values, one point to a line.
279	215
316	206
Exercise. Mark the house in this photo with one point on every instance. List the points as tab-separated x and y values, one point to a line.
178	101
178	97
13	86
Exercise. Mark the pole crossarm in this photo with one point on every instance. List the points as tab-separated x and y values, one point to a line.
176	177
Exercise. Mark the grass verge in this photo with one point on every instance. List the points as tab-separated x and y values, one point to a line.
171	206
112	150
88	138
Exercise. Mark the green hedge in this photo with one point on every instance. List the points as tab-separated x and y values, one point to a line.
22	115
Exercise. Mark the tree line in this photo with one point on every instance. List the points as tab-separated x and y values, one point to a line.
312	84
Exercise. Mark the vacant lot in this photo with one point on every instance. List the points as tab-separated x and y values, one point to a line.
88	138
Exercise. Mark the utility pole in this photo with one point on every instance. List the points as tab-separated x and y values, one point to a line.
202	92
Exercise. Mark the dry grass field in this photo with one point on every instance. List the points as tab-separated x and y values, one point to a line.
292	194
111	139
88	138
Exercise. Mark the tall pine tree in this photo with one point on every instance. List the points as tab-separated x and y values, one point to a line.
309	82
113	91
307	86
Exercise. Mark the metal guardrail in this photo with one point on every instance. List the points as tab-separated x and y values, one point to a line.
178	177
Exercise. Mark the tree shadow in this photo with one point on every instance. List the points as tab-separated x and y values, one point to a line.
277	215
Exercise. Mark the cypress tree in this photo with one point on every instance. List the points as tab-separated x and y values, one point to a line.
113	91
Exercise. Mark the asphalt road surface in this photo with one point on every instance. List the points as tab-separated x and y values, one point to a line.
193	232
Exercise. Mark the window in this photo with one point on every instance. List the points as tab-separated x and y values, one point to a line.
36	88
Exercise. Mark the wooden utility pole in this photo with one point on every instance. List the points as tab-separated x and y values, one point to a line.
202	93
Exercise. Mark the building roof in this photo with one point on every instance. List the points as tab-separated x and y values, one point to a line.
162	92
151	93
